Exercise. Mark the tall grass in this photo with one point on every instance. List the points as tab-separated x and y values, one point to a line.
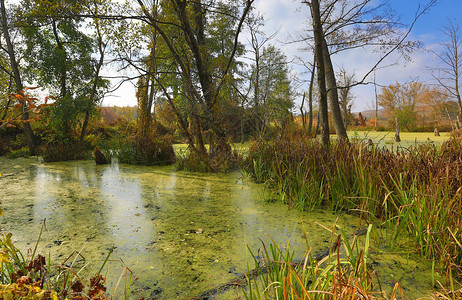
415	193
343	274
137	150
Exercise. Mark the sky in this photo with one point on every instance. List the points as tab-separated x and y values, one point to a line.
289	17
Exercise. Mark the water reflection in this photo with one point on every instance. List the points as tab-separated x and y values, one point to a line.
181	233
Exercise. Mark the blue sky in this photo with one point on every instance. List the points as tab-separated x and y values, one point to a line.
429	23
290	16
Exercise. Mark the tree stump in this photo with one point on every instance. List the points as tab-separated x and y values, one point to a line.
100	159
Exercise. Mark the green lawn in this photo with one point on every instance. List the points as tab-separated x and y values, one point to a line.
387	138
380	138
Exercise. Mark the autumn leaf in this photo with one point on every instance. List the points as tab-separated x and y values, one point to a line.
4	257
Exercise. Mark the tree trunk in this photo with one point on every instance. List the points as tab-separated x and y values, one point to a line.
302	112
94	88
259	126
28	133
318	49
459	104
59	44
333	94
310	98
317	126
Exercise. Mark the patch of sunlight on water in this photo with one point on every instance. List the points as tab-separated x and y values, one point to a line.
180	233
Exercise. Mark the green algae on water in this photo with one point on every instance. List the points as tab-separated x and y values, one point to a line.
181	233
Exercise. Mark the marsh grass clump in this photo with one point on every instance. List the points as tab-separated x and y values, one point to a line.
222	158
415	194
63	151
150	150
22	152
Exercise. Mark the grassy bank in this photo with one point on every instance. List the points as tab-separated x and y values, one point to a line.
387	138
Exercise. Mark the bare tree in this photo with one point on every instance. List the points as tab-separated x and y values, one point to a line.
257	43
346	97
345	24
311	69
449	74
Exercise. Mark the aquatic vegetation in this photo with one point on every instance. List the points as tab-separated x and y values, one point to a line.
35	277
55	150
342	273
414	193
151	150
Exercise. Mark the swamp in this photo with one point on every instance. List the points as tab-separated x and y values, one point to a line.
189	149
181	233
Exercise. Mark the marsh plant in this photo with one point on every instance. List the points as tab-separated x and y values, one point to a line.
149	150
32	276
222	158
343	273
414	194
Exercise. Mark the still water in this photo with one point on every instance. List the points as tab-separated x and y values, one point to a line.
180	233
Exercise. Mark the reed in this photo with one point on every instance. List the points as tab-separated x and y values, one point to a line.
343	274
150	150
414	194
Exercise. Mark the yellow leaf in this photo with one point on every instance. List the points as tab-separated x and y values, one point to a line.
4	257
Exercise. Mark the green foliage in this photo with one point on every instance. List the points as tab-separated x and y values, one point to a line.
57	49
63	118
59	57
407	117
273	93
94	140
